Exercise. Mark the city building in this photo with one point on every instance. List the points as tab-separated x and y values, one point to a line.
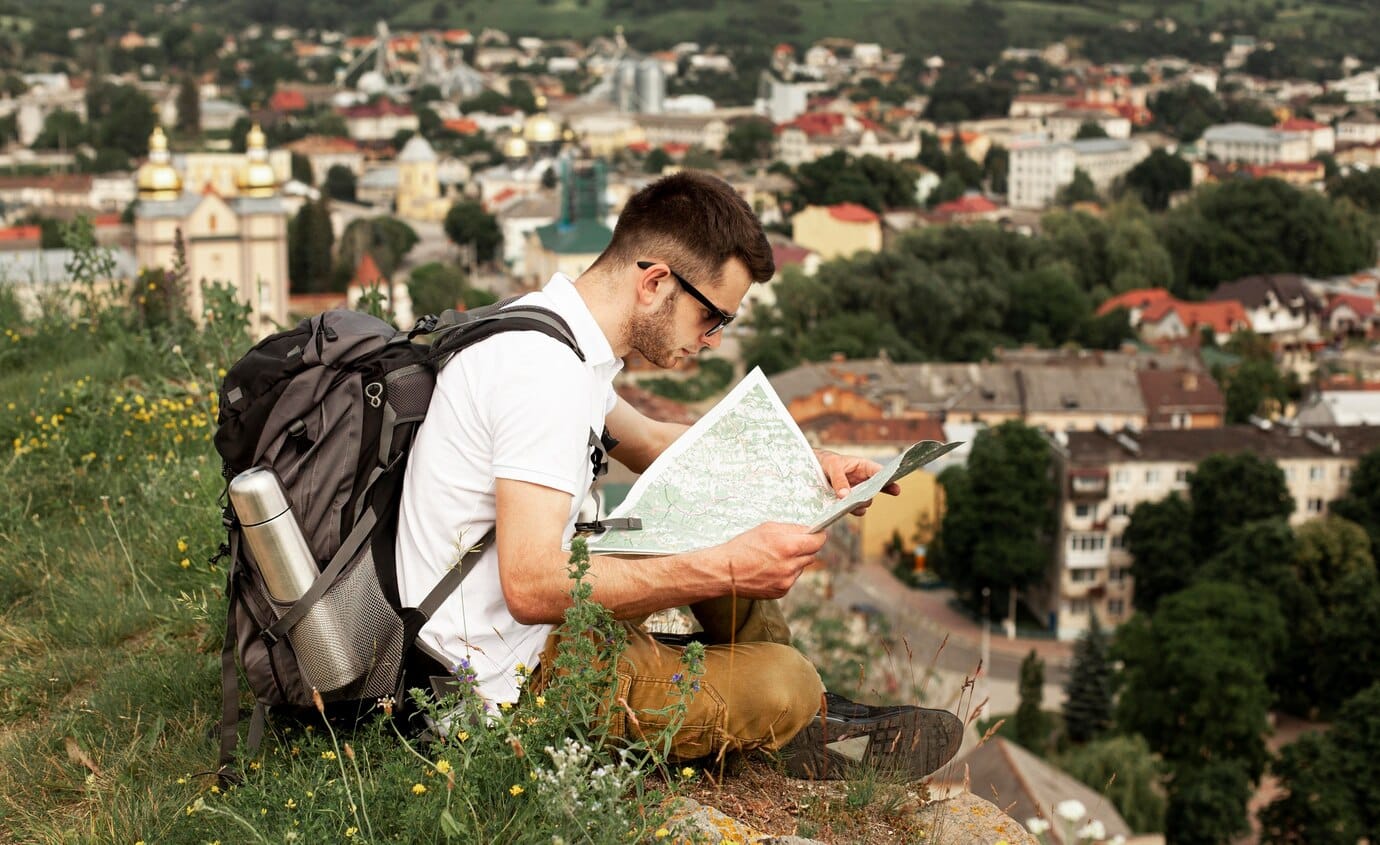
1253	144
1103	474
837	231
570	244
1362	127
1039	168
419	194
238	240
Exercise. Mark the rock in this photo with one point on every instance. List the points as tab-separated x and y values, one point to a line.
969	820
696	822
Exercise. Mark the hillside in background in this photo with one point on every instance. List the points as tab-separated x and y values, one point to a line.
970	31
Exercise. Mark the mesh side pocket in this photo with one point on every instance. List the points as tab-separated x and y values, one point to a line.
349	645
409	390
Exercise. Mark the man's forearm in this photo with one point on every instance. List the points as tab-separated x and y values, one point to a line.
659	439
630	588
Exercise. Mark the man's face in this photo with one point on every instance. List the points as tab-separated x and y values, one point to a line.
676	329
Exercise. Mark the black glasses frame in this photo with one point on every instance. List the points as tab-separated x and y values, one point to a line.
724	317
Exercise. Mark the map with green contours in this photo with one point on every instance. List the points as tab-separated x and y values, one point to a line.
744	463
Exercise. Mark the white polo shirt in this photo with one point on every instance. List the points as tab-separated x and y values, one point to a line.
519	405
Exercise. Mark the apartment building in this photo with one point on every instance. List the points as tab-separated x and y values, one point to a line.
1039	167
1103	474
1256	144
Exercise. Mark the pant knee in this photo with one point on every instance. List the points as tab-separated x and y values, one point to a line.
796	694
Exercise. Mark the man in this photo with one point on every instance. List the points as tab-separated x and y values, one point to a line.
506	444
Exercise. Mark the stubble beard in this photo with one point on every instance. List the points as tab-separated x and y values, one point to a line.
651	335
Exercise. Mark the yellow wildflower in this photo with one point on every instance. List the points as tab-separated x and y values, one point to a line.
184	563
462	736
541	701
507	705
327	755
418	789
290	804
443	766
662	833
182	544
350	832
515	790
687	772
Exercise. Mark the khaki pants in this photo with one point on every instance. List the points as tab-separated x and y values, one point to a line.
756	691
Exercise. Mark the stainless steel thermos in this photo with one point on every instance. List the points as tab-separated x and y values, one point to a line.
288	568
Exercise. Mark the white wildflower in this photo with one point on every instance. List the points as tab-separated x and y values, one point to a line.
1094	830
1036	825
1071	810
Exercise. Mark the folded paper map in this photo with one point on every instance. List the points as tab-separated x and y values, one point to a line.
744	463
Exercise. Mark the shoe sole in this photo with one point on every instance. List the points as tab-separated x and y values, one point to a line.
908	743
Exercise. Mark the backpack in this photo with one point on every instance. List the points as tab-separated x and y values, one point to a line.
332	407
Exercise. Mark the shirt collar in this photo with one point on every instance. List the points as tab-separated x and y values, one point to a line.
569	304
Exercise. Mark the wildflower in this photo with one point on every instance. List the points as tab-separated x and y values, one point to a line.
462	736
507	705
327	755
290	804
675	679
215	790
1094	830
1036	825
443	766
182	544
181	780
687	772
521	669
515	790
350	832
256	765
541	701
418	789
1071	810
662	833
184	563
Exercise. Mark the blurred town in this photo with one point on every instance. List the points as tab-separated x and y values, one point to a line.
1142	291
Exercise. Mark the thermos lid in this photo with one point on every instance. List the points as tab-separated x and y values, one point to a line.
257	496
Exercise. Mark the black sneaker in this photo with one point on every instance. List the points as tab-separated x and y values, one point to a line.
901	740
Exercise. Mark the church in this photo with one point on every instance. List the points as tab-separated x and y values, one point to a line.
232	235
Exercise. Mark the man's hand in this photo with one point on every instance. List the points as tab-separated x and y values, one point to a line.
843	471
765	562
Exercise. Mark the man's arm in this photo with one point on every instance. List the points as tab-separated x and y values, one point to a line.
640	438
762	563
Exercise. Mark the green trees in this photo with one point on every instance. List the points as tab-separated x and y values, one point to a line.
1081	189
385	238
1163	554
999	525
1246	227
468	224
1232	490
1088	695
1127	772
1332	780
189	106
871	181
1361	503
748	140
1194	685
340	183
435	287
1030	726
310	240
1159	177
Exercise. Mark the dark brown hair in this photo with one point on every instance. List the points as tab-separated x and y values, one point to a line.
695	223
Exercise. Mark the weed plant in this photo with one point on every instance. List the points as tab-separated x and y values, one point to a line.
112	612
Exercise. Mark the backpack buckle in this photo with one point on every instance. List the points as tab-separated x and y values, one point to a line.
627	523
268	637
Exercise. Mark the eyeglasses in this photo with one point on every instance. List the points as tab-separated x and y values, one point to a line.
723	317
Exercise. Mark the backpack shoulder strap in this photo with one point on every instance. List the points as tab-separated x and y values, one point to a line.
454	338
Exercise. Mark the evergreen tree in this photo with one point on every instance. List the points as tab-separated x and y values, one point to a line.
310	240
189	106
1031	728
1088	696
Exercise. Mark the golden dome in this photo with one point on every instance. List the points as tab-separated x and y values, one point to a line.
256	177
515	147
157	178
540	129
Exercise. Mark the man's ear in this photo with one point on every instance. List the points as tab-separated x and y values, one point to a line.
651	286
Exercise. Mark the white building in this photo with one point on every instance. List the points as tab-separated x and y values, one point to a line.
1104	474
1253	144
1063	125
783	102
1363	127
1361	88
1039	167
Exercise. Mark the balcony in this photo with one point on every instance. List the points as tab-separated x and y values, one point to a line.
1087	484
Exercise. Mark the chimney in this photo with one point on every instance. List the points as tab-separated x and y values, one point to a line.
1190	380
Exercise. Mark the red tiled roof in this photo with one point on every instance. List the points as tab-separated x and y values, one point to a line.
1259	170
1167	390
968	204
640	147
1299	124
1223	316
1138	298
287	100
21	233
786	255
675	148
1364	306
376	109
456	35
461	125
656	407
831	429
850	212
321	144
367	272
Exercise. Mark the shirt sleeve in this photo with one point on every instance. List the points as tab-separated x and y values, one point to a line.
537	412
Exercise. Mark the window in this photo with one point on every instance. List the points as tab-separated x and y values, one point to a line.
1079	606
1082	511
1118	541
1291	473
1115	607
1344	472
1315	472
1181	476
1152	476
1122	476
1082	576
1087	542
1118	574
1315	505
1121	509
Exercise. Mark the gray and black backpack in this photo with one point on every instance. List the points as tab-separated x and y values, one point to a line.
331	407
